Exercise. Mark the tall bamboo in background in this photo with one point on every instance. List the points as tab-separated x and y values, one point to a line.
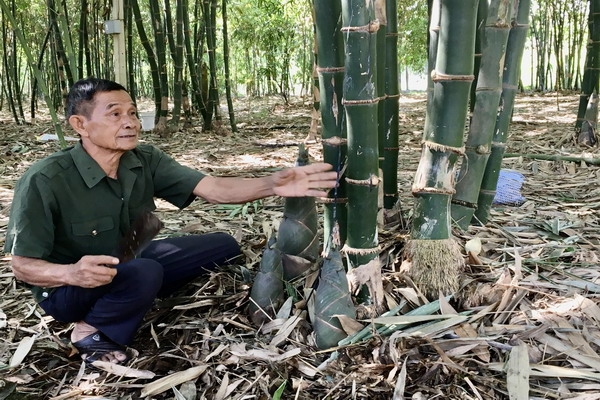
591	73
38	73
178	64
210	12
191	64
330	68
433	257
390	105
130	52
161	55
226	68
493	38
510	81
150	54
9	73
360	101
59	50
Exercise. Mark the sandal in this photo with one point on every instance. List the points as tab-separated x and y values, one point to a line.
96	345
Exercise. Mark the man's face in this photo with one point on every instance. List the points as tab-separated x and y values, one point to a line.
112	123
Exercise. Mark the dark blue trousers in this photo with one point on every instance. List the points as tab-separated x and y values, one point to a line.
117	309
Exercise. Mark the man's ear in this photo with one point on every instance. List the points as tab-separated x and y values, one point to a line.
77	122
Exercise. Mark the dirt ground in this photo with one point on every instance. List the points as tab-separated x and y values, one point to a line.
534	330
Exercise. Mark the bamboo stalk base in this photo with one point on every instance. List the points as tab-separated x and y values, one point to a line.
434	266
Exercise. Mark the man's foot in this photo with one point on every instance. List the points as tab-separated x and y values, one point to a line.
93	345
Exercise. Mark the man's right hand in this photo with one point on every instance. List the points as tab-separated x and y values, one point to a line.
88	272
93	271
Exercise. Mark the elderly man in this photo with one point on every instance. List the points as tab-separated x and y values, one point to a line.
71	208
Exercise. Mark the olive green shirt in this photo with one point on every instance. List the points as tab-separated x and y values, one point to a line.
65	206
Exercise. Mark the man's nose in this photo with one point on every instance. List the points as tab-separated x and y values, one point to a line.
132	121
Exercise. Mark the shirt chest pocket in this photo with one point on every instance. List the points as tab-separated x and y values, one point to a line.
95	236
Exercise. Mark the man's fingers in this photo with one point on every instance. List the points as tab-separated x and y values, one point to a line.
323	176
316	167
316	193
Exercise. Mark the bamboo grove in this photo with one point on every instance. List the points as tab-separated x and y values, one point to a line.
195	52
183	55
432	258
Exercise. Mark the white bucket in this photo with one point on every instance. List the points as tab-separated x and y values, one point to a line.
147	118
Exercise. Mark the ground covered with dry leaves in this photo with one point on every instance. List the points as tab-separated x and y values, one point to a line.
531	322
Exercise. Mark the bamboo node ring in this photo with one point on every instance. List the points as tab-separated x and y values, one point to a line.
372	181
359	252
335	141
331	200
437	76
443	148
422	189
330	69
361	102
371	27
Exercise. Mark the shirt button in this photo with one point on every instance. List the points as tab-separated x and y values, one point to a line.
45	294
94	232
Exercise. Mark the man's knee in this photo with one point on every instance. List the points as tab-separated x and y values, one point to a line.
141	273
228	244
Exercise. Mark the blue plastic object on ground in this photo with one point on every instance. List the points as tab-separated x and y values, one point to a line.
508	190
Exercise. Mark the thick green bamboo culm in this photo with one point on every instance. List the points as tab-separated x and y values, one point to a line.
391	107
330	70
510	81
434	11
493	38
591	74
482	11
434	257
380	15
360	100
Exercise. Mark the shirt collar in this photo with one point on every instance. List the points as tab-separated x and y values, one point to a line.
89	169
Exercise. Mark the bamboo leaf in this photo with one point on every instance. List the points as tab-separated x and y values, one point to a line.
286	329
279	392
349	325
172	380
400	383
240	350
407	319
552	371
21	352
434	328
560	346
221	393
122	370
517	373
